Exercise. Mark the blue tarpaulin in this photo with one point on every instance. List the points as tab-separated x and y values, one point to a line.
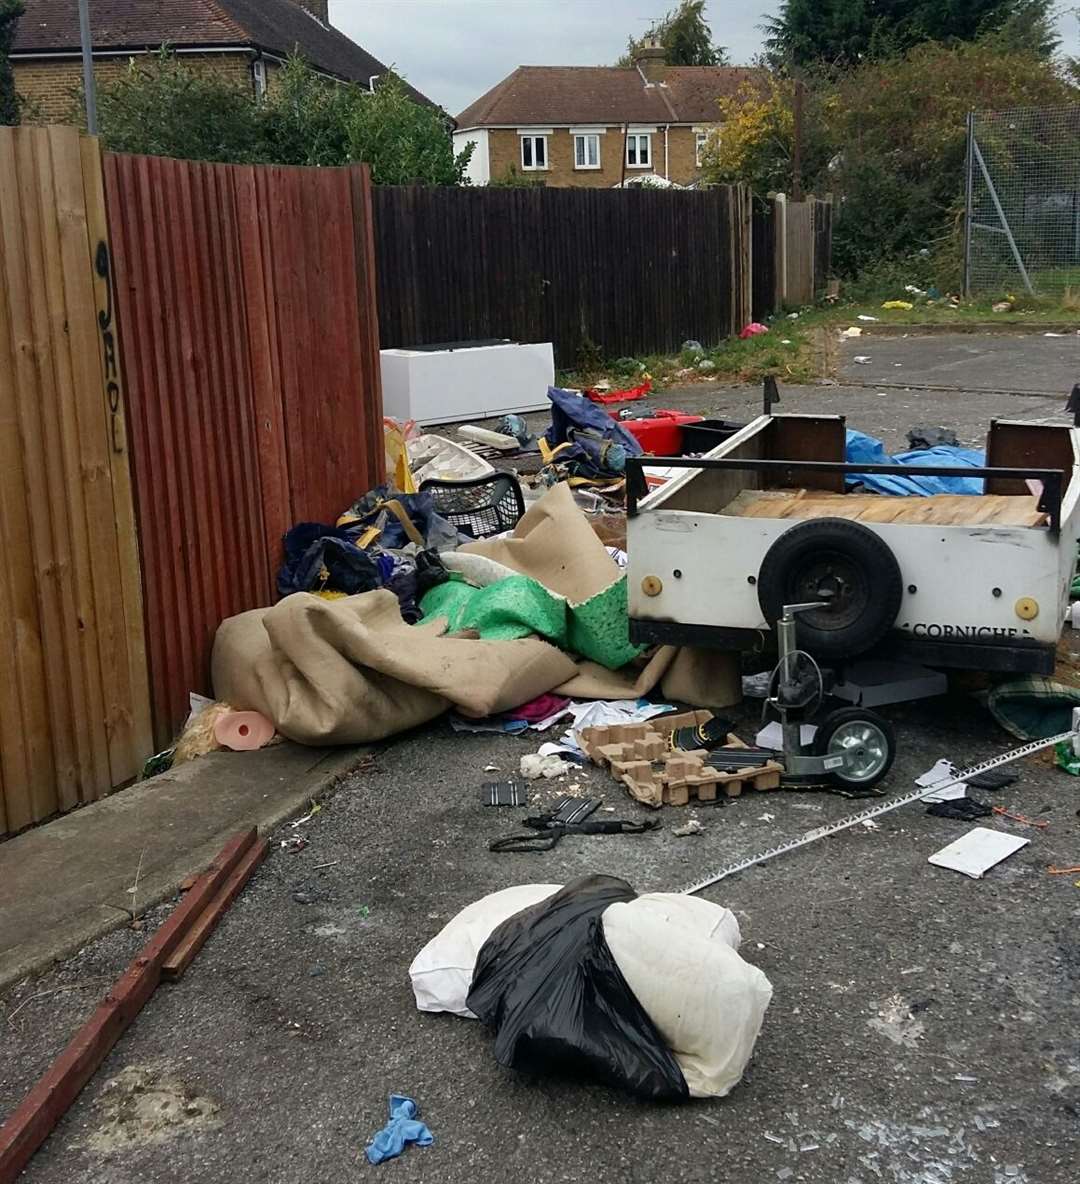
863	449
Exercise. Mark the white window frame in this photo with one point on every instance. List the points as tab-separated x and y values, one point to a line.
701	139
585	139
258	74
636	139
533	138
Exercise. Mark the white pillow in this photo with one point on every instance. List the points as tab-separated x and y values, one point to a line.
442	972
678	955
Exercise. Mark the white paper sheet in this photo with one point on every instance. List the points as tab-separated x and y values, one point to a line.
941	772
772	736
978	851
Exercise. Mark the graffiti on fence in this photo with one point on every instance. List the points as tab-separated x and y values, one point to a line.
103	266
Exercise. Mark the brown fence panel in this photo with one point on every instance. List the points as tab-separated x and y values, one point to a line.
627	271
250	350
73	695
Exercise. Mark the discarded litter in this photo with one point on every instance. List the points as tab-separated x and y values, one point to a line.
865	317
943	773
534	766
646	992
243	731
693	827
861	360
754	329
852	331
978	851
902	305
504	793
403	1128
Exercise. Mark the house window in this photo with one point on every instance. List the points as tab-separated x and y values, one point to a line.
587	151
638	151
534	152
700	140
258	73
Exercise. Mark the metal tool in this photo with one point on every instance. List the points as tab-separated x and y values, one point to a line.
916	795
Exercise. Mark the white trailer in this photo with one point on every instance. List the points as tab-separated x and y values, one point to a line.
976	581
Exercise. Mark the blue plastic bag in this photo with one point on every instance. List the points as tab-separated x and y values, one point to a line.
863	449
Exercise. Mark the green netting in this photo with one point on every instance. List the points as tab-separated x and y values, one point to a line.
597	629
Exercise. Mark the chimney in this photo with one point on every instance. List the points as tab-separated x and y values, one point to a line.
318	9
651	60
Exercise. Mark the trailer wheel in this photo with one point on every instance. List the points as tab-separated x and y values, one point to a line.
865	741
844	564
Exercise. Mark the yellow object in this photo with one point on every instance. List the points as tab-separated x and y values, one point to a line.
1026	608
330	594
395	436
906	305
368	537
652	586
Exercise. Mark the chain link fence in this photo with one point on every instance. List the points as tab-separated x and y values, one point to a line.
1023	202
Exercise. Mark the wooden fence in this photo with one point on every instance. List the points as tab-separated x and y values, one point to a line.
250	345
74	719
625	272
802	238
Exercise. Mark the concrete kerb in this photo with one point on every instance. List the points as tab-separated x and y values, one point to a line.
68	935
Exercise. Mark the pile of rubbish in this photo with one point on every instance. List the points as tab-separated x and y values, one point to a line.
646	993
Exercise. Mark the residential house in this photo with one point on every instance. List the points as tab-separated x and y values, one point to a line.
248	40
598	125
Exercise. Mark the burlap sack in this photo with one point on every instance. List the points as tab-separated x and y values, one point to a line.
351	671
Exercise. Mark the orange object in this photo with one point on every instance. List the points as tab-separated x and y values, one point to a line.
1062	871
243	731
1020	818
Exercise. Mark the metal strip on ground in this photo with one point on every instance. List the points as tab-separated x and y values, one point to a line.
833	828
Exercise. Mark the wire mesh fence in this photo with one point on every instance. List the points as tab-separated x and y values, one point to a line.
1023	201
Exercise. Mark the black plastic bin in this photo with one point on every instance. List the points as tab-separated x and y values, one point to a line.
704	436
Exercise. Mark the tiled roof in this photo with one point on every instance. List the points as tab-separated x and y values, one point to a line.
276	26
605	94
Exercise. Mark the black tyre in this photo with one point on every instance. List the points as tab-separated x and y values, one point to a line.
841	562
866	741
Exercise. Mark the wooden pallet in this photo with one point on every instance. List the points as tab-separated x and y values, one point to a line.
642	758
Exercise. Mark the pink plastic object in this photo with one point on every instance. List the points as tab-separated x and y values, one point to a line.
243	731
754	329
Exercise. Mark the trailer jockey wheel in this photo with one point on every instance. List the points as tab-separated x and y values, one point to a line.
844	564
865	741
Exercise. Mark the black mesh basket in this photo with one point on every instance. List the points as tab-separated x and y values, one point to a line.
480	507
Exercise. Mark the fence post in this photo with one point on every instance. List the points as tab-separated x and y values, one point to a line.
969	199
780	206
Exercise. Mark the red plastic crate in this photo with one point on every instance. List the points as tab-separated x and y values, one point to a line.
661	436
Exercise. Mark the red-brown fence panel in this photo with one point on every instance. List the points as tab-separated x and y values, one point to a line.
249	341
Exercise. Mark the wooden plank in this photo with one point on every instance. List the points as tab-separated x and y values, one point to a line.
34	349
181	957
91	495
54	147
26	763
47	1102
140	737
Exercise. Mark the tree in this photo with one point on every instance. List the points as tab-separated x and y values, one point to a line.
686	36
162	107
755	145
165	108
10	11
847	32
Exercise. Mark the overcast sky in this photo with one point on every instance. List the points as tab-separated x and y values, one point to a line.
454	50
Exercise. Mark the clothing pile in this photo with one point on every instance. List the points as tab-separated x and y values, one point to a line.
583	444
384	540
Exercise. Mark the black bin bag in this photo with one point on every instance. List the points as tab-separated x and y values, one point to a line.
546	982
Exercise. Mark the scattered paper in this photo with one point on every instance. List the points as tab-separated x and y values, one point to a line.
863	317
862	360
1053	334
852	331
608	712
978	851
693	827
772	735
941	773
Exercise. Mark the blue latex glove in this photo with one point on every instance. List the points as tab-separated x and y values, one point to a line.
403	1127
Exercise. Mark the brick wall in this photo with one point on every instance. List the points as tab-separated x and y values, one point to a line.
52	85
505	151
